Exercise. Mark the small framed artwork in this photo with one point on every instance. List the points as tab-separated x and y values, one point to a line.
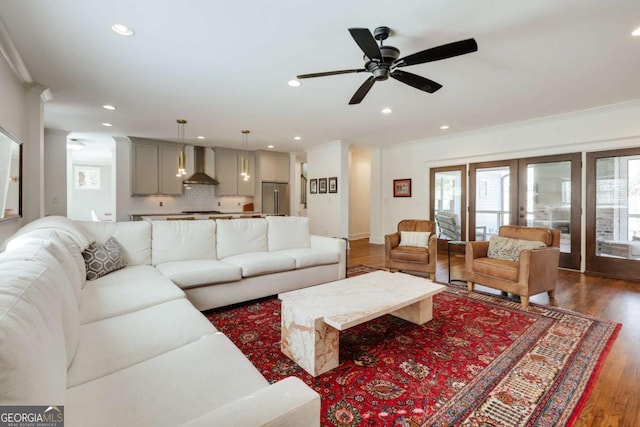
322	185
86	178
313	186
402	187
333	184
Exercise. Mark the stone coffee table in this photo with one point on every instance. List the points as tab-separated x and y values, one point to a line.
313	317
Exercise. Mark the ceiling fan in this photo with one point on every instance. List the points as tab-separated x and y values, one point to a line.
382	61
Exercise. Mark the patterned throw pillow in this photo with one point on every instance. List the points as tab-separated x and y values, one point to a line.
417	239
509	249
103	259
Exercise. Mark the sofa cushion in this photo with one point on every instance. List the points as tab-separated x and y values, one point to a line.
103	259
509	249
418	239
198	272
500	268
206	374
62	225
240	236
183	240
540	234
288	232
63	253
123	291
134	238
33	354
109	345
258	263
307	257
41	257
409	254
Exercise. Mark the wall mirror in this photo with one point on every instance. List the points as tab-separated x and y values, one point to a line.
10	177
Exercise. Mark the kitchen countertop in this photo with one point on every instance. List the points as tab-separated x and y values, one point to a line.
161	217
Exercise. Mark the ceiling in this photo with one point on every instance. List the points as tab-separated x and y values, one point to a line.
224	66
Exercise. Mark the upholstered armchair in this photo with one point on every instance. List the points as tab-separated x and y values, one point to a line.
417	252
520	260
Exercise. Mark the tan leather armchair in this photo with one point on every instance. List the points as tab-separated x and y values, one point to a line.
408	257
535	271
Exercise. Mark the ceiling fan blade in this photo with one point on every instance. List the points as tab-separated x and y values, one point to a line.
444	51
330	73
367	43
416	81
362	91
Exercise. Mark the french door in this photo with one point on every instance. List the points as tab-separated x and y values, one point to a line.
613	213
534	191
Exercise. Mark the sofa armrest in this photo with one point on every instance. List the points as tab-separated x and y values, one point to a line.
539	268
477	249
332	244
391	241
287	403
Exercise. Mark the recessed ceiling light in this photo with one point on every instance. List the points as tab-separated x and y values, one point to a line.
108	107
107	124
636	32
270	146
123	30
444	127
294	83
297	138
200	137
386	110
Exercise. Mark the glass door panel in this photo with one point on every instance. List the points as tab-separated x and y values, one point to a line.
550	189
448	201
613	213
493	196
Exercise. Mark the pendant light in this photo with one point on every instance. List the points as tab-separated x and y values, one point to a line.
182	169
244	159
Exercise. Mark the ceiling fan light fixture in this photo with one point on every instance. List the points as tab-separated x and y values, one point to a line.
386	110
444	127
75	145
294	83
297	138
108	107
107	125
122	30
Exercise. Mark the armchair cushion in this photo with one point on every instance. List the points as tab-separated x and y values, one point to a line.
414	238
506	248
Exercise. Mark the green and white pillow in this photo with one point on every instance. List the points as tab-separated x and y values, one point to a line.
509	249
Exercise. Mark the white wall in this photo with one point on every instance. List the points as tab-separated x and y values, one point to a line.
13	116
329	212
55	172
360	194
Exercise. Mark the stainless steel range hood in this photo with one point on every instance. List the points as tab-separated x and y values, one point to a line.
199	177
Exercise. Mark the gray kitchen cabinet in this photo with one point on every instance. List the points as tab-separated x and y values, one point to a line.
274	167
228	164
154	166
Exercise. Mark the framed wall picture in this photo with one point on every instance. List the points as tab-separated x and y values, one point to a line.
86	178
313	186
322	185
333	184
402	187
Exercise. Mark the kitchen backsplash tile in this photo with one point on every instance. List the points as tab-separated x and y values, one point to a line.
198	197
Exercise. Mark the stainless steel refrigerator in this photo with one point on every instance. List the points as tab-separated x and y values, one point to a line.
275	198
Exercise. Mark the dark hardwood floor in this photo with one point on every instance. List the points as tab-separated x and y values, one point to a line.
615	399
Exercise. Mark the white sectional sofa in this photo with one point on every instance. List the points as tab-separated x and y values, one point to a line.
130	348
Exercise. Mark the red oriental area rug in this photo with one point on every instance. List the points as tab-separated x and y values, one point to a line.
481	361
